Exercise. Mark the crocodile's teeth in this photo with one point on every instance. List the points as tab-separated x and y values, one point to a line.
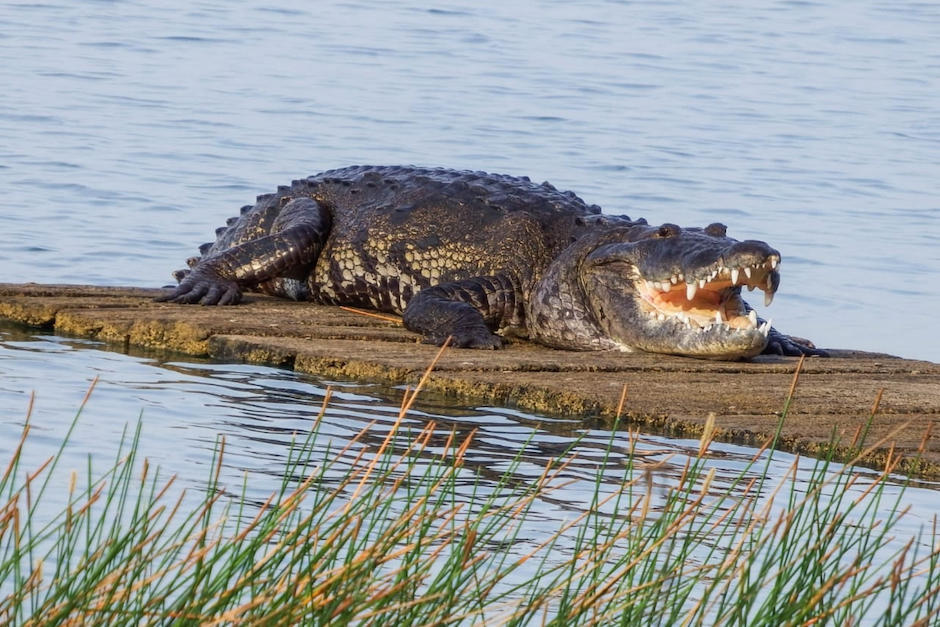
735	273
690	289
768	298
702	282
774	260
765	328
718	319
752	316
747	271
673	279
750	288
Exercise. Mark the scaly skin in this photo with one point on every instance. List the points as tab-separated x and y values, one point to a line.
477	257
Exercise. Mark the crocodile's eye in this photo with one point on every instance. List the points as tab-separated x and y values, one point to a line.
668	230
716	229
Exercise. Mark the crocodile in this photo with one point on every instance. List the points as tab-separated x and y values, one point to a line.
482	258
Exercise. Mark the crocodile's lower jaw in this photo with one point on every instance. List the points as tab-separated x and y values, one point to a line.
731	314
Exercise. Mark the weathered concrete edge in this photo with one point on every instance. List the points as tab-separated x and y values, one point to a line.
546	400
191	339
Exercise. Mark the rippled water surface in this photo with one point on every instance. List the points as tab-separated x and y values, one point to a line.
185	407
130	130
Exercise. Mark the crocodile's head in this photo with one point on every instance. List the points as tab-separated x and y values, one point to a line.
661	289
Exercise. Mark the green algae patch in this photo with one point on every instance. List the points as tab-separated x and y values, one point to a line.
175	335
171	335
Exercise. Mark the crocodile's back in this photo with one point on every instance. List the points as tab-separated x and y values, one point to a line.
396	230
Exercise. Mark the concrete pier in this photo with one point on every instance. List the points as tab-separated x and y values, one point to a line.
672	395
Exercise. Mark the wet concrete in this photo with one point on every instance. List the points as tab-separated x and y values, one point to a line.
672	395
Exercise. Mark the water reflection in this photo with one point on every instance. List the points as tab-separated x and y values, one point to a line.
186	407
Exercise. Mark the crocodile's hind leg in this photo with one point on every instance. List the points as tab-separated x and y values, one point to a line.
467	311
295	240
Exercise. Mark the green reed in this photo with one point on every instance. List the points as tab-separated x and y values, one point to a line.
390	535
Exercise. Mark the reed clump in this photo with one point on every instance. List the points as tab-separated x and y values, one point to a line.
395	534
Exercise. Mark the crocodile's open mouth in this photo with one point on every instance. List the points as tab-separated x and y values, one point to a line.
713	297
657	289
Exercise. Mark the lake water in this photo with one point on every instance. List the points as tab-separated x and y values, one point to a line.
130	130
185	407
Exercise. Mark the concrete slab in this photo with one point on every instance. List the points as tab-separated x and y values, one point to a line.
673	395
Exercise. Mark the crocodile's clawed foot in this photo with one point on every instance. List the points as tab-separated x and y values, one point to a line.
470	338
204	288
791	346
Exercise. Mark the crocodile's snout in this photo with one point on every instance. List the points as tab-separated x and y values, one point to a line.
661	289
685	291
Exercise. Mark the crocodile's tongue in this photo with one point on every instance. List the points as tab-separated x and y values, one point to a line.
706	307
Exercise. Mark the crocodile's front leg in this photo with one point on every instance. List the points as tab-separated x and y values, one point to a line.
296	239
468	311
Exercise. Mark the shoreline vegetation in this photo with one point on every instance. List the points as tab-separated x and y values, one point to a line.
395	535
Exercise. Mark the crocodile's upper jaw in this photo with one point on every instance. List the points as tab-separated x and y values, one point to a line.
661	290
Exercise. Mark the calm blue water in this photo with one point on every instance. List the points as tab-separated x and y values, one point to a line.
130	130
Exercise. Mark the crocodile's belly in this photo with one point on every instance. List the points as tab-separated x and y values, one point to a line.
384	274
